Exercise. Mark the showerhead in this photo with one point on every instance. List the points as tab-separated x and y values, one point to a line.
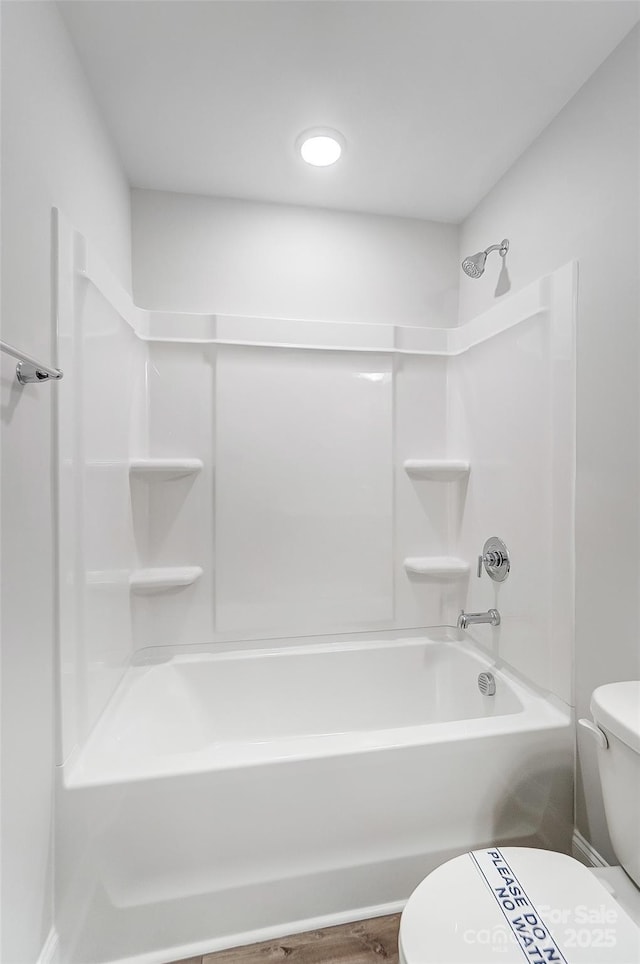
474	265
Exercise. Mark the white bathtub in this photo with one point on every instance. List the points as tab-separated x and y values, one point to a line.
231	797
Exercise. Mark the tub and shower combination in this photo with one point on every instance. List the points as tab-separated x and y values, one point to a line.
227	774
245	794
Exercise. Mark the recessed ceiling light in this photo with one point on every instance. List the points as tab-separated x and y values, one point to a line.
320	146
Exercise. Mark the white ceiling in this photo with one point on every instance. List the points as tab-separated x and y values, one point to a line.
435	99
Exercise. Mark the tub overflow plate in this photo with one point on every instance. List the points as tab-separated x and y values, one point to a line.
487	684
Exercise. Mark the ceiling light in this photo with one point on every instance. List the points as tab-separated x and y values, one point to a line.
320	146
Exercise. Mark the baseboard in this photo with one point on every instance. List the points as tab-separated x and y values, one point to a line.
50	950
585	853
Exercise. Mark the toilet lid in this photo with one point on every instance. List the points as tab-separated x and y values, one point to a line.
507	905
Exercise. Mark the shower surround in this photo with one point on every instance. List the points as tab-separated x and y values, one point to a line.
232	489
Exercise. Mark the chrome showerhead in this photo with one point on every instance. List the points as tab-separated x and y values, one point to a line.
474	265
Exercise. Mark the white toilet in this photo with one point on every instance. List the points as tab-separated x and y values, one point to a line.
510	904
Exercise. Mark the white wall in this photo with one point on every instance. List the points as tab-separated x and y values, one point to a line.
206	254
574	195
55	151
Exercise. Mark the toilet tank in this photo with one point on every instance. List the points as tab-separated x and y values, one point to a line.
616	709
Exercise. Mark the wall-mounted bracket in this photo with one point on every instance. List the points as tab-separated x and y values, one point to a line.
29	370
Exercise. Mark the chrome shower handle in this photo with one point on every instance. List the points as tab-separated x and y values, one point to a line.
495	558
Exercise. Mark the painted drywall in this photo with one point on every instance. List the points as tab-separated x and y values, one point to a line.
55	152
233	257
575	195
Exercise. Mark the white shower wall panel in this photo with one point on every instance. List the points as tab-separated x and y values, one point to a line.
519	387
175	517
304	491
101	415
108	544
424	523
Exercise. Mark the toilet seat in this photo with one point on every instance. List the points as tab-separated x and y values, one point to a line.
507	905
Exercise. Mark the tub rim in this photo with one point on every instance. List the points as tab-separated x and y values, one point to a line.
539	711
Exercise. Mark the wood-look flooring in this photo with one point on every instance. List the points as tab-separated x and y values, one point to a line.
363	942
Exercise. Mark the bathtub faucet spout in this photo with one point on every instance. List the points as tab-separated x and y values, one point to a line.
468	619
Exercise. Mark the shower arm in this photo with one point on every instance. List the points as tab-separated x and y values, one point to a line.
503	247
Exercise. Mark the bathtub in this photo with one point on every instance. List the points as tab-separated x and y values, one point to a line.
235	796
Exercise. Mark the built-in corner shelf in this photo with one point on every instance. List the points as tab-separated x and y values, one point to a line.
163	470
437	470
162	579
436	567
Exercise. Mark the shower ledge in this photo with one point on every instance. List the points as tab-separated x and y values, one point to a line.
164	469
162	579
438	470
436	567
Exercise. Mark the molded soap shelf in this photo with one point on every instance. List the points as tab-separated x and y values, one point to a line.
161	579
438	470
436	567
164	469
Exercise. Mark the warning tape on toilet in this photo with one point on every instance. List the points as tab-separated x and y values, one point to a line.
525	921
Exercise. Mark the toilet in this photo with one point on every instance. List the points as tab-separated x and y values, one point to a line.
507	905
